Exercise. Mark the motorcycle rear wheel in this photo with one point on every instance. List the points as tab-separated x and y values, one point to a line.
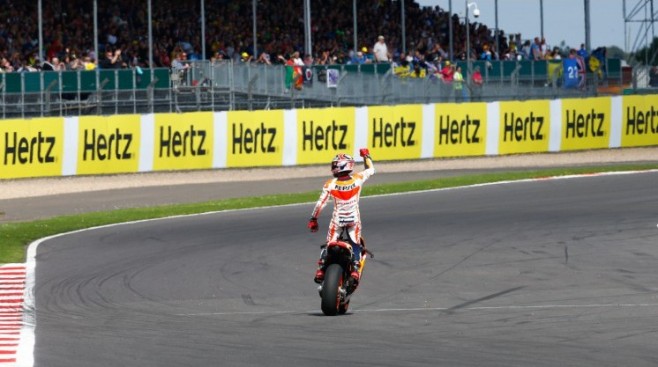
333	280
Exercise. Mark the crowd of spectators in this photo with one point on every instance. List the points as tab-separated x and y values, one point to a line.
68	31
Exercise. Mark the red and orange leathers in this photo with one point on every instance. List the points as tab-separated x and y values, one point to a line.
345	191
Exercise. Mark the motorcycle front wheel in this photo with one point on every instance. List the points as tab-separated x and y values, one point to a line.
333	280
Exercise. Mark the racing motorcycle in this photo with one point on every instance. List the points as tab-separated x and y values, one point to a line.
337	288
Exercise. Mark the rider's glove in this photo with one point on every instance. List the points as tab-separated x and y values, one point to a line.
364	152
313	224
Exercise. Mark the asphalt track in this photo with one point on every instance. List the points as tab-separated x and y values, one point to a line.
547	273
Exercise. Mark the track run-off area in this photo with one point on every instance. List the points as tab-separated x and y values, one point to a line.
537	272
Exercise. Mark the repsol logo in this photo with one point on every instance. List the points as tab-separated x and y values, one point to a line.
579	125
174	143
641	122
458	132
345	187
386	134
331	137
106	147
520	128
22	150
252	141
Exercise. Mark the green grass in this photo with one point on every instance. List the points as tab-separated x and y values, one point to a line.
14	237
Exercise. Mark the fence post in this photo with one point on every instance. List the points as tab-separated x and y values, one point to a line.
149	94
46	104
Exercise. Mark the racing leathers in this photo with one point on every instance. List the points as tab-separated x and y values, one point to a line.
345	191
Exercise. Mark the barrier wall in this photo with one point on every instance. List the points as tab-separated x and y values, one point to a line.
204	140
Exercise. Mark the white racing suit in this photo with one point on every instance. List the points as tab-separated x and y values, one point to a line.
345	192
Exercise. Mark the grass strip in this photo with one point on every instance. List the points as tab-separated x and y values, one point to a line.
14	237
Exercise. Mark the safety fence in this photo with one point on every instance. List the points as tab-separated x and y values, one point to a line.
227	86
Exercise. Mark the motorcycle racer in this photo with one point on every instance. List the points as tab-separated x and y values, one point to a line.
345	189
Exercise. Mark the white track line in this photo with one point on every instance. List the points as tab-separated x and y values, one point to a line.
433	309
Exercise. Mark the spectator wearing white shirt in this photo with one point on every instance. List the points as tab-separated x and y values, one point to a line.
381	50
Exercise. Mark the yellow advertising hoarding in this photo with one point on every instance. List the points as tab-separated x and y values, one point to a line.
323	133
639	125
254	138
395	132
460	129
31	148
183	141
524	127
585	123
108	144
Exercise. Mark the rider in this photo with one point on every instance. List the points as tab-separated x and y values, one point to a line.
345	189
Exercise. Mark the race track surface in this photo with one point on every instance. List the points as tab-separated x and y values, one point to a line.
559	272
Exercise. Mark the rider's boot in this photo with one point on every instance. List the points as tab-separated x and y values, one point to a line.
355	272
319	274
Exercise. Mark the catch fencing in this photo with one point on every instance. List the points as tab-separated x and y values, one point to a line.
228	86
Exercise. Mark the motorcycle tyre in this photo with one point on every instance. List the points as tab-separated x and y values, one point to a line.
333	279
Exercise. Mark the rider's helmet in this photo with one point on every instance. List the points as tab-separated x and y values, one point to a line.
342	164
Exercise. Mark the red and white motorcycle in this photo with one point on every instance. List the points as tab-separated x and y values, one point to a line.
338	286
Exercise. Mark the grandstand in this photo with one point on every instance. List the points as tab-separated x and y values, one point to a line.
75	77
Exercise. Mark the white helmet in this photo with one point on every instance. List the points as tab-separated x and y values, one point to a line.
342	164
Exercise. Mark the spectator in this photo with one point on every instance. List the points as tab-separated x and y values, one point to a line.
88	63
458	84
476	85
380	50
653	77
54	65
359	58
264	58
245	57
525	52
308	60
544	48
112	59
297	63
535	50
179	64
217	57
5	65
582	52
447	73
325	58
418	71
486	53
574	70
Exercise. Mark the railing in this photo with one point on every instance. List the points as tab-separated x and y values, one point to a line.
237	86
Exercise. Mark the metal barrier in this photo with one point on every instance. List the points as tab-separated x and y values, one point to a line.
227	85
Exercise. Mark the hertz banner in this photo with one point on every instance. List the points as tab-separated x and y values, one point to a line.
322	133
524	127
395	132
108	144
81	145
639	121
255	138
585	125
31	148
183	141
460	129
